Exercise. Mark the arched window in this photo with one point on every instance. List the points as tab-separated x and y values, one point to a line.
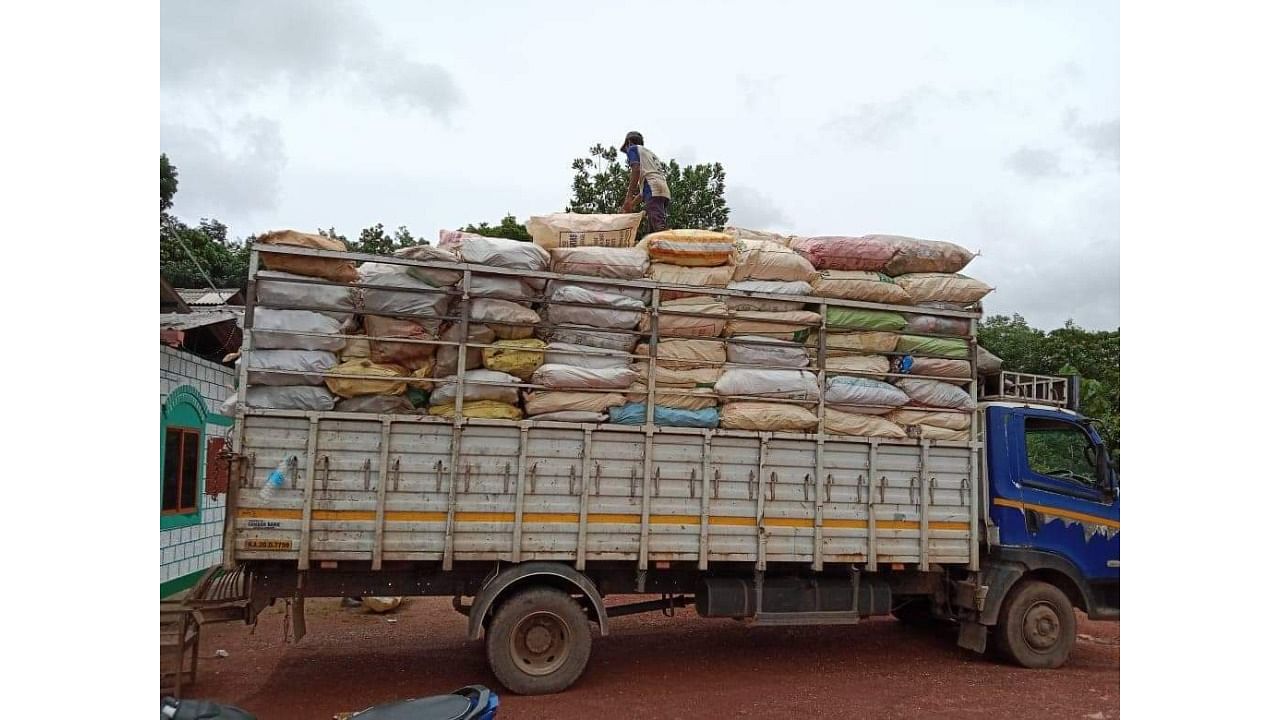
182	422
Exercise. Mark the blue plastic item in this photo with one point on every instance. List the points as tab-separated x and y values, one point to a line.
633	414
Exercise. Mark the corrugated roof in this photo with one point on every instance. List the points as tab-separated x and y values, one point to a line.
196	318
204	296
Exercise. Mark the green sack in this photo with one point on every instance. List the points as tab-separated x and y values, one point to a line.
938	347
846	318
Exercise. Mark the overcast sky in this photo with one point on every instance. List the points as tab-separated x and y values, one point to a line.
995	125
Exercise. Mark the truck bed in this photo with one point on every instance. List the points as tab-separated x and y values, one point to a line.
382	488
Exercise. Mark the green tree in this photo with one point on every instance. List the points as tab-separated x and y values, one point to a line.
375	240
697	191
188	254
225	260
508	228
1068	350
168	183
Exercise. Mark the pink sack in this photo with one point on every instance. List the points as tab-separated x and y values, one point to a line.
846	253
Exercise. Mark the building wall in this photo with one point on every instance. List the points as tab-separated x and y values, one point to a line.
185	552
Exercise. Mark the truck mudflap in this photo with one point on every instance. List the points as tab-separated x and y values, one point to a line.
533	573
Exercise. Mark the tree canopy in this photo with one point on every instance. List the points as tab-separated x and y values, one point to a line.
508	228
697	191
1068	350
187	253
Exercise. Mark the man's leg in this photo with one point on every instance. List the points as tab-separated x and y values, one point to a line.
655	209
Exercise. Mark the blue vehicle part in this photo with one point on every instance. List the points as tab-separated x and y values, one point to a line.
474	702
633	413
1050	526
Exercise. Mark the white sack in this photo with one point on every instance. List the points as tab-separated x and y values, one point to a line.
569	377
495	252
394	304
447	389
290	397
265	320
934	393
771	352
776	287
610	311
863	395
312	362
781	384
584	356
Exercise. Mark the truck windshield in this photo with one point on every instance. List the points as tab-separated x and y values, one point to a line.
1061	450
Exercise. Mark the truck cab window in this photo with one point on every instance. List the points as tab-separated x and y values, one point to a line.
1061	450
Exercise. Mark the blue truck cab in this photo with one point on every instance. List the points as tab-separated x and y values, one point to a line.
1052	533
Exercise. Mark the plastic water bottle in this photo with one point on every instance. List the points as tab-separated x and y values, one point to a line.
275	481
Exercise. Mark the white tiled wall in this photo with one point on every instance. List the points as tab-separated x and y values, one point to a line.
192	549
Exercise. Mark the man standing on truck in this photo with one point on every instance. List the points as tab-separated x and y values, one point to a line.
648	179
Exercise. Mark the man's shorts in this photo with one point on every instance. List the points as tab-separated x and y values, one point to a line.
655	211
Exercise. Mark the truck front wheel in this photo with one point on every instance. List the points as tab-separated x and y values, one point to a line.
539	641
1037	626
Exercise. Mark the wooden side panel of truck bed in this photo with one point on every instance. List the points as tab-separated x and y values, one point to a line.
394	488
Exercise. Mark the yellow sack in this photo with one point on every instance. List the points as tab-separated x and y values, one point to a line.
686	354
942	287
863	365
857	342
704	377
845	423
538	402
358	377
765	260
767	416
484	409
354	349
699	278
671	324
931	432
515	357
945	420
793	325
691	248
682	398
863	285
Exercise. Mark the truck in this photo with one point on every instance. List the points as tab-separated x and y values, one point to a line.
529	525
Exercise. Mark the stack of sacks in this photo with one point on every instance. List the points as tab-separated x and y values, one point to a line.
286	371
939	289
770	267
749	414
856	337
587	357
699	258
486	394
503	302
324	309
855	404
686	373
940	410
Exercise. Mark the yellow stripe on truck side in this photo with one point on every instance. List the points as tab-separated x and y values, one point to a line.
1058	512
609	518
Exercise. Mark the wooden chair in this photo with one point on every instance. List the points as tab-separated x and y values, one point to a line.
179	636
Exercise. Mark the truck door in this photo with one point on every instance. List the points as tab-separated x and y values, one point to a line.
1069	496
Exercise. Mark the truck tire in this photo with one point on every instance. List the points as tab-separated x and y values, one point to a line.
538	642
1037	626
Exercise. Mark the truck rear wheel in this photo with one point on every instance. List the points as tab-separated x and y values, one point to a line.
539	641
1037	626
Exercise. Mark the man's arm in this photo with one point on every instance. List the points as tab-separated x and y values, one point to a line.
633	184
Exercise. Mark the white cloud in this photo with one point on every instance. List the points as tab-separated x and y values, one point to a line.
233	49
1035	163
1102	139
237	172
750	208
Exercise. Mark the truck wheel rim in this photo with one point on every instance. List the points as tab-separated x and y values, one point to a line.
540	643
1041	627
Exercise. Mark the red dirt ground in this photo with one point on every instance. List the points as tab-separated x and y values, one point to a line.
651	667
